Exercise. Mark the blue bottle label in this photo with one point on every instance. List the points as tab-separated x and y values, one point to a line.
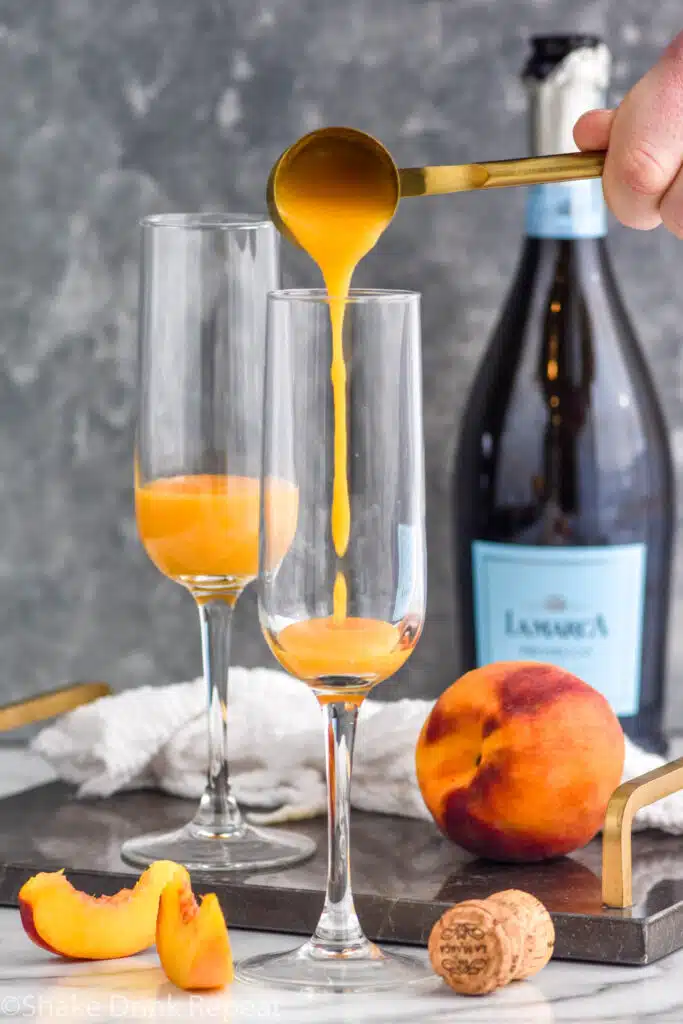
579	608
572	209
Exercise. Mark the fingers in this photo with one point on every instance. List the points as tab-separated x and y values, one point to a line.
645	150
592	130
671	206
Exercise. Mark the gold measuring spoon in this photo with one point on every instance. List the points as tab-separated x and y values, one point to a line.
330	161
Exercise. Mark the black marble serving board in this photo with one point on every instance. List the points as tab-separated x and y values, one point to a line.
405	874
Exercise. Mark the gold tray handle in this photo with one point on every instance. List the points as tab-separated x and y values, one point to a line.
625	802
50	704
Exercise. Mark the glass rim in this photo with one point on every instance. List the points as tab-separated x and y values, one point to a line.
216	221
358	296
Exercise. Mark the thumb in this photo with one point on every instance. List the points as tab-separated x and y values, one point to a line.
592	130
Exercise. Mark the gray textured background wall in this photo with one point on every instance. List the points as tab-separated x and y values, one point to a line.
112	109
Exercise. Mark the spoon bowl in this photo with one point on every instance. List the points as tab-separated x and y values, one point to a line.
335	165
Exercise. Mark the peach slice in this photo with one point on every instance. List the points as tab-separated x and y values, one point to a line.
192	938
64	920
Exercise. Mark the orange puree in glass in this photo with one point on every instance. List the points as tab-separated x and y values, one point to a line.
365	649
208	525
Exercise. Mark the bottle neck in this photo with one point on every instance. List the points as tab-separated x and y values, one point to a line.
574	209
566	210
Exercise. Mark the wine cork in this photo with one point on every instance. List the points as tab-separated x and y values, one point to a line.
515	928
537	926
470	948
480	945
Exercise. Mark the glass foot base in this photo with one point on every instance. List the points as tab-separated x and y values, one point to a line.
308	967
246	849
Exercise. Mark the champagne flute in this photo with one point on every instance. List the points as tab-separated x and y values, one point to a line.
343	623
204	281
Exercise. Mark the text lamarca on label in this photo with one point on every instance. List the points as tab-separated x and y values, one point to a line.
553	628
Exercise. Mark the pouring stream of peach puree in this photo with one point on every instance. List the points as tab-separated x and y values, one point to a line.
336	206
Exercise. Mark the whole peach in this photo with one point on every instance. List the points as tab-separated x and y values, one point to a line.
517	761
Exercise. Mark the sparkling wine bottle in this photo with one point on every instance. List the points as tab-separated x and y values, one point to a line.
563	483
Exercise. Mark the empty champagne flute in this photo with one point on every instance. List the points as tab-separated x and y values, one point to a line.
344	608
204	280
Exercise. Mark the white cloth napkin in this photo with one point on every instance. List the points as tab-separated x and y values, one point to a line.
156	736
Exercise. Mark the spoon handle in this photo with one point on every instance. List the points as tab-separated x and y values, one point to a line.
534	170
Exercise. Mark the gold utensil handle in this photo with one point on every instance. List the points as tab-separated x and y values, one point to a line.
617	878
533	170
48	705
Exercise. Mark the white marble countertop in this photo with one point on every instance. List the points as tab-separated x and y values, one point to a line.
36	985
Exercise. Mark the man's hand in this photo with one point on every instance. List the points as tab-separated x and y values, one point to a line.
643	177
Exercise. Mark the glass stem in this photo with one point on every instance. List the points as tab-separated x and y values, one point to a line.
218	813
339	930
